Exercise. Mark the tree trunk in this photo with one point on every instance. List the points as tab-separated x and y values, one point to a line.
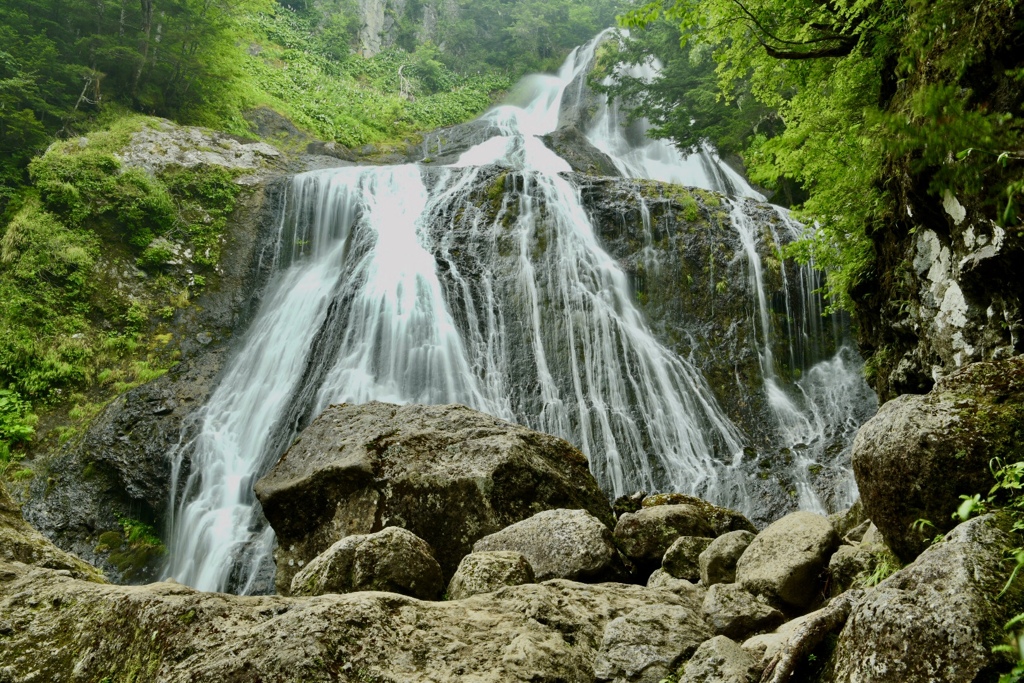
808	636
147	30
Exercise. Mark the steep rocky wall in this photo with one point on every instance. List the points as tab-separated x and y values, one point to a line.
382	22
689	273
119	468
945	288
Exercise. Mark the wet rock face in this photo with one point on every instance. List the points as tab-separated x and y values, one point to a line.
936	619
561	544
19	542
449	474
686	263
572	145
921	453
392	560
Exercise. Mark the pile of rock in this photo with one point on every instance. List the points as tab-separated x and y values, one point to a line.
436	543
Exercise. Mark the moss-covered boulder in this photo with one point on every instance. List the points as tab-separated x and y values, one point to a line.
449	474
916	458
937	619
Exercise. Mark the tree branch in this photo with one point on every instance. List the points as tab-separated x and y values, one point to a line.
782	666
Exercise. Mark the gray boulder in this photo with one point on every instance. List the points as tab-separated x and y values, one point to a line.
937	619
732	611
786	562
721	520
486	572
561	544
919	454
681	560
663	581
572	145
448	474
649	643
718	561
847	564
645	535
721	660
392	560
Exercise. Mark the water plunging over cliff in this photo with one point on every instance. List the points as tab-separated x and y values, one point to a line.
488	287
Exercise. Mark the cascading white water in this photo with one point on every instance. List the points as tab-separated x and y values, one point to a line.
548	337
826	404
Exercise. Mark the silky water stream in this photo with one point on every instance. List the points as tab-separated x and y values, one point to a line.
359	309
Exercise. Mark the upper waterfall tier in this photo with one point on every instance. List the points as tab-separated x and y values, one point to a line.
659	329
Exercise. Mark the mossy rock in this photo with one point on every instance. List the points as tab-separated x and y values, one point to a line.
920	454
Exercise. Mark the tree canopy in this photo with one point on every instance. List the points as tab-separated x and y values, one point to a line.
858	87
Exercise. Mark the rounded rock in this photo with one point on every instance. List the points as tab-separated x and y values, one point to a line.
785	562
718	561
486	572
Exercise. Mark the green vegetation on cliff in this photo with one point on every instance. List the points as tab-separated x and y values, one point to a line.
869	101
92	266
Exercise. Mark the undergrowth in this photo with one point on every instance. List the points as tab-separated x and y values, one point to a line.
95	260
355	100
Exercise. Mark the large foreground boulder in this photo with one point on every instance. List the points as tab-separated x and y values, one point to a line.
919	454
561	544
938	618
786	562
448	474
392	560
55	628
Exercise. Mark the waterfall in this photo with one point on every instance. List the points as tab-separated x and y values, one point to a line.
392	284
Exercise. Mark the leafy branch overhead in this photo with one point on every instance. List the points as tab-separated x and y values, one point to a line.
850	108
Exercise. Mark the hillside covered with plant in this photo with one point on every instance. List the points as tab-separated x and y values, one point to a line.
78	79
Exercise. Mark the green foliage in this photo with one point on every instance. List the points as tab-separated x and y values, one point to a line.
17	425
850	94
885	565
683	102
358	101
205	199
1007	495
522	36
73	332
